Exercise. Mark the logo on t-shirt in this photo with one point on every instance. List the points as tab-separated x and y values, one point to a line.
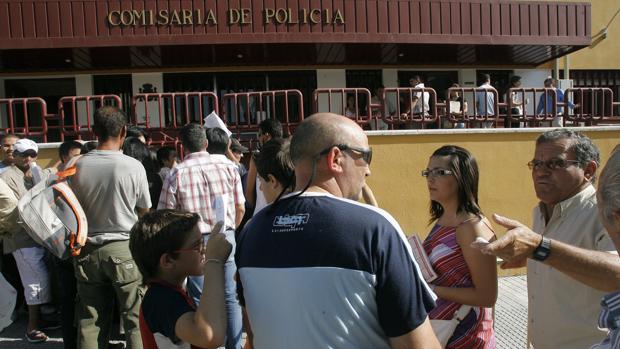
288	222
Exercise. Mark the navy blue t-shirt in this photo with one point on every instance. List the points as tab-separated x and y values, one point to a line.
320	271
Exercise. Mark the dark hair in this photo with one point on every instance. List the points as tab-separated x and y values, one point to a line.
548	82
416	77
273	127
583	147
135	148
485	77
88	146
66	147
135	131
193	137
465	170
275	159
108	122
156	233
514	79
9	135
217	140
164	153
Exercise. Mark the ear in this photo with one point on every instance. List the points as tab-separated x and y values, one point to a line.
590	170
123	133
166	261
272	181
335	159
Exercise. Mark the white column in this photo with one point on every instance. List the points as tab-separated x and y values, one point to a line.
83	87
155	79
330	78
467	77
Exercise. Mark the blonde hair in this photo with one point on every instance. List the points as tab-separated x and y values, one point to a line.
609	187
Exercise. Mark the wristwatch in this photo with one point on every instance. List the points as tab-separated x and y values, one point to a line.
543	250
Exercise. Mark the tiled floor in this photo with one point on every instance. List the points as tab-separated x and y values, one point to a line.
511	313
510	320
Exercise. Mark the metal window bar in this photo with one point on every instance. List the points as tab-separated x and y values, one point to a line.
73	109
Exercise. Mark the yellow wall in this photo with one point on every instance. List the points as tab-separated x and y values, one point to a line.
604	54
505	182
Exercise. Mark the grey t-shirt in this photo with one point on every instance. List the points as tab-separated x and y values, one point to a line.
110	185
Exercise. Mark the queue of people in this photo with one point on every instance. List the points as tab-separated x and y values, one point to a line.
313	267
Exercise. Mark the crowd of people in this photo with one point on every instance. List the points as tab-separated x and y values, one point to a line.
198	251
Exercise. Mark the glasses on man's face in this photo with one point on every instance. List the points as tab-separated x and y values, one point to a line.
436	172
551	164
198	246
365	153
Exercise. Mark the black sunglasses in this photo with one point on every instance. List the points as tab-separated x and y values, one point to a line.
365	153
27	153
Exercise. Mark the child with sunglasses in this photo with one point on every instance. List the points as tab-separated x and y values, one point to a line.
168	247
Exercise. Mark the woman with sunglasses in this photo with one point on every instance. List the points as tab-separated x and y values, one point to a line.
466	277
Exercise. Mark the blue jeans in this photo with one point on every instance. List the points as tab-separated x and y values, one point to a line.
233	310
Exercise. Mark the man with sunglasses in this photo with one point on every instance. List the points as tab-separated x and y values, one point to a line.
29	256
318	269
568	253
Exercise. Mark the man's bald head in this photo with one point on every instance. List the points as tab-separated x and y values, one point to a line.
320	131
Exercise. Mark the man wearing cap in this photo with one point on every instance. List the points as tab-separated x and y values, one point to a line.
29	256
235	154
7	151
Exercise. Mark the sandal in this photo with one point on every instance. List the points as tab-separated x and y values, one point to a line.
36	336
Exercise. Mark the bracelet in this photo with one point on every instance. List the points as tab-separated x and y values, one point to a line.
214	261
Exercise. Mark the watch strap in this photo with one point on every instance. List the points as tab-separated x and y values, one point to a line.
543	250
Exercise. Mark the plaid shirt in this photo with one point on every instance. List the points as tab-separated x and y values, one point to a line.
204	184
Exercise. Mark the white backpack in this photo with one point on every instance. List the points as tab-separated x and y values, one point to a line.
52	216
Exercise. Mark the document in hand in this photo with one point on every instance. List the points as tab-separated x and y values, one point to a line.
421	258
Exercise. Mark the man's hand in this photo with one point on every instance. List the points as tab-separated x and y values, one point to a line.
515	246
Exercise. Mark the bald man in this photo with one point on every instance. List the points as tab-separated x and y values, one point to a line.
320	270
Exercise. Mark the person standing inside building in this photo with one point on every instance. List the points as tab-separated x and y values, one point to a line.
318	269
113	191
210	186
485	101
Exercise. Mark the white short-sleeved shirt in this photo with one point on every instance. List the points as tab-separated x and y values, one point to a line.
563	313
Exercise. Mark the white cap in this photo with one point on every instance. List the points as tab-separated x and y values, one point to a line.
25	144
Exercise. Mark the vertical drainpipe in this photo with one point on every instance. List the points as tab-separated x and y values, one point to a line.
566	67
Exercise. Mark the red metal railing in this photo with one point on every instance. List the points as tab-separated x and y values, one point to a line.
243	111
589	105
483	107
173	109
162	114
25	116
76	112
531	106
347	102
414	107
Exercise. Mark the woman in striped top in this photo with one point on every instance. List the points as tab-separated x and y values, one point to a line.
465	275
